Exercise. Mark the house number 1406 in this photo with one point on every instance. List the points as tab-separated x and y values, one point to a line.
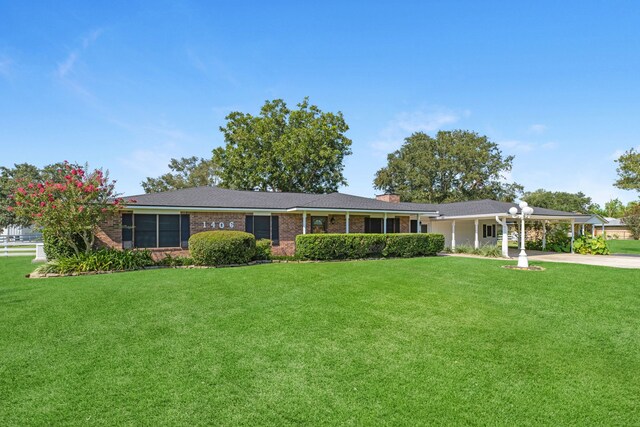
220	224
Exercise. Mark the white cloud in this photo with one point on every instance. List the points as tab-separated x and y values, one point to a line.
406	123
515	145
150	162
6	66
619	152
65	68
537	128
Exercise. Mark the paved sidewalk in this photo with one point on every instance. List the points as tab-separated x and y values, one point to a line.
617	261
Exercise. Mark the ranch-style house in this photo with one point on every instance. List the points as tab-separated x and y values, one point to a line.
163	222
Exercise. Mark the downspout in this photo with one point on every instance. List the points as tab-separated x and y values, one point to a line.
505	241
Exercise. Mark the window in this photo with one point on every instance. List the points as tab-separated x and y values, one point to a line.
155	231
414	227
318	224
169	231
127	231
373	225
393	225
263	227
488	230
145	232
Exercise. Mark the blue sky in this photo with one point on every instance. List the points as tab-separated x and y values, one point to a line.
126	86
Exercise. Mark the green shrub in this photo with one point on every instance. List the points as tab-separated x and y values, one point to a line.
55	248
339	246
491	251
359	245
263	250
464	249
587	245
100	260
222	247
175	261
408	245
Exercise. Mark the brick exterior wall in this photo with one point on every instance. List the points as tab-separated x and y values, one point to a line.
110	233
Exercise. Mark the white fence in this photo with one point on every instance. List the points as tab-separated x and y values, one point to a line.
17	249
20	245
21	238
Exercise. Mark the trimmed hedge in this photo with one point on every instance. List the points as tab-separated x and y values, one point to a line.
263	250
358	245
222	247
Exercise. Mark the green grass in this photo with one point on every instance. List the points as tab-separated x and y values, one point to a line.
624	246
441	341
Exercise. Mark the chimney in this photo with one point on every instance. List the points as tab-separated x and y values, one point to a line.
391	198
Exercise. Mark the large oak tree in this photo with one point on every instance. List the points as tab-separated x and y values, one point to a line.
185	173
629	170
282	149
452	166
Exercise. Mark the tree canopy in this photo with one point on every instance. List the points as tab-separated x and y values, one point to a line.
454	166
282	149
186	172
560	200
19	175
629	170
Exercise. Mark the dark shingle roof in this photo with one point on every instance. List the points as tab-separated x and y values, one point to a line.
487	207
215	197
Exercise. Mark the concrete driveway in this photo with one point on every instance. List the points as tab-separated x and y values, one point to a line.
619	261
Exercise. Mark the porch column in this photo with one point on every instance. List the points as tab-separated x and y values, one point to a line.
573	226
544	235
304	222
347	224
593	230
582	230
384	224
505	237
476	244
603	230
453	235
418	225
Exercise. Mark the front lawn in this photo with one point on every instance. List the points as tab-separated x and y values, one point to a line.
444	340
624	246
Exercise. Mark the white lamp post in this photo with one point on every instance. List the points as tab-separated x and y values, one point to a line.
525	212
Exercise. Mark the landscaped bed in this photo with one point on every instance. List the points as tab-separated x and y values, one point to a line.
439	340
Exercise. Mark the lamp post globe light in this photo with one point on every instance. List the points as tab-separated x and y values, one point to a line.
525	212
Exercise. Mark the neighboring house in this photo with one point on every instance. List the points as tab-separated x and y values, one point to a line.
19	233
164	221
614	228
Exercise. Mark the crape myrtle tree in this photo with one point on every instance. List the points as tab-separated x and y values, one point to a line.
283	149
185	173
452	166
68	206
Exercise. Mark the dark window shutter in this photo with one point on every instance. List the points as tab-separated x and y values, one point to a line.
494	230
484	230
367	225
414	225
397	225
127	231
185	230
275	230
248	224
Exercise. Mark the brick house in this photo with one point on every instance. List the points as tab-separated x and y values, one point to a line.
163	222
